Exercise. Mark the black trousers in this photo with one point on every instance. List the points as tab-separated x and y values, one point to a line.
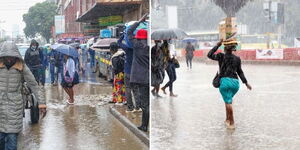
141	93
172	77
189	60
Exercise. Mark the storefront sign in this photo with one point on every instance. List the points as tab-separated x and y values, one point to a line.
110	20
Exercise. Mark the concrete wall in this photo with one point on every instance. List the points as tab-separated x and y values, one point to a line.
291	54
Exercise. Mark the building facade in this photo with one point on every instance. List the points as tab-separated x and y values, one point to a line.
86	17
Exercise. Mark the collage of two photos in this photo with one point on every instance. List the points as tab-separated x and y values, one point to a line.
149	74
224	74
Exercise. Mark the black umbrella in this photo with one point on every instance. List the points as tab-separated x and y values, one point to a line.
166	34
104	43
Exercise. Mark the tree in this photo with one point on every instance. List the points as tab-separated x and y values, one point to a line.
39	20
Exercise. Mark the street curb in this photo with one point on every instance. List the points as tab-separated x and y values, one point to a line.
132	127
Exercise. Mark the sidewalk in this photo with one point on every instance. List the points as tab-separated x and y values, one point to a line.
131	121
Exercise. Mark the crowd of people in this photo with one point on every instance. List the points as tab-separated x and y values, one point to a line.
131	71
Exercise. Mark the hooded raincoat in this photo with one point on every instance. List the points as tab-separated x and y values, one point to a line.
11	102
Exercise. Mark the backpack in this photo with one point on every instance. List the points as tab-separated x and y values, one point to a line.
118	63
67	76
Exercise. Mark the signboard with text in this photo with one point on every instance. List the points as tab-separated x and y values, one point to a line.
59	22
269	54
110	20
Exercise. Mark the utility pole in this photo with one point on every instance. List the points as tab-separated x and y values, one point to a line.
274	12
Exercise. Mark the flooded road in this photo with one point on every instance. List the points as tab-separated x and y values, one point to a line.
87	125
266	117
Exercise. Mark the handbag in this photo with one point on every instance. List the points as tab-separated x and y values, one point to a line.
30	101
176	63
217	79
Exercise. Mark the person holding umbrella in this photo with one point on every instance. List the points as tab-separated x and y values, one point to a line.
70	77
230	69
189	49
157	68
139	76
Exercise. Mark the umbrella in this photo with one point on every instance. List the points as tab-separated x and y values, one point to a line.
104	43
166	34
74	44
65	49
189	39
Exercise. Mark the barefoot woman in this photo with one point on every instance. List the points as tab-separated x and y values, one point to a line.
230	70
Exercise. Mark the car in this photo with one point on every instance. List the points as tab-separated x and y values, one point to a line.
22	50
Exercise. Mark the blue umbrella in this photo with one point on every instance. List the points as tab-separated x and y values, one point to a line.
65	49
189	39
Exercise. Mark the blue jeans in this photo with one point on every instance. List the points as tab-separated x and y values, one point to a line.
52	72
92	63
8	141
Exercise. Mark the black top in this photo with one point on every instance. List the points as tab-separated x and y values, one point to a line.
140	63
229	64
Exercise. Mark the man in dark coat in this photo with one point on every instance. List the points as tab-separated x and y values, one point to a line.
139	77
33	59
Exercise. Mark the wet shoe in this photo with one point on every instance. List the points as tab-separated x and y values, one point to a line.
129	110
153	92
119	104
173	95
143	128
164	90
137	110
158	96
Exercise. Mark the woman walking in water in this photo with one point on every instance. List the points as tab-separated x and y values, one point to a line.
69	78
230	69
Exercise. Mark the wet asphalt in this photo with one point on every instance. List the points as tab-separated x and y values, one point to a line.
265	118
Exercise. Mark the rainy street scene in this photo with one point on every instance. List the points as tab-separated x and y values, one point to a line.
224	74
70	75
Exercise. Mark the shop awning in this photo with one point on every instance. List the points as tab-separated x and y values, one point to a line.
102	9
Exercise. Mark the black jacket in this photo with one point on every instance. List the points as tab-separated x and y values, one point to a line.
33	57
140	63
229	64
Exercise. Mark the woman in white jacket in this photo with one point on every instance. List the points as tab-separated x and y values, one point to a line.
70	78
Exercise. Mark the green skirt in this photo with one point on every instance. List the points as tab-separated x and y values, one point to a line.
228	88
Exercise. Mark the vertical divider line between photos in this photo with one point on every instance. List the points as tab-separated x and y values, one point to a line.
149	42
